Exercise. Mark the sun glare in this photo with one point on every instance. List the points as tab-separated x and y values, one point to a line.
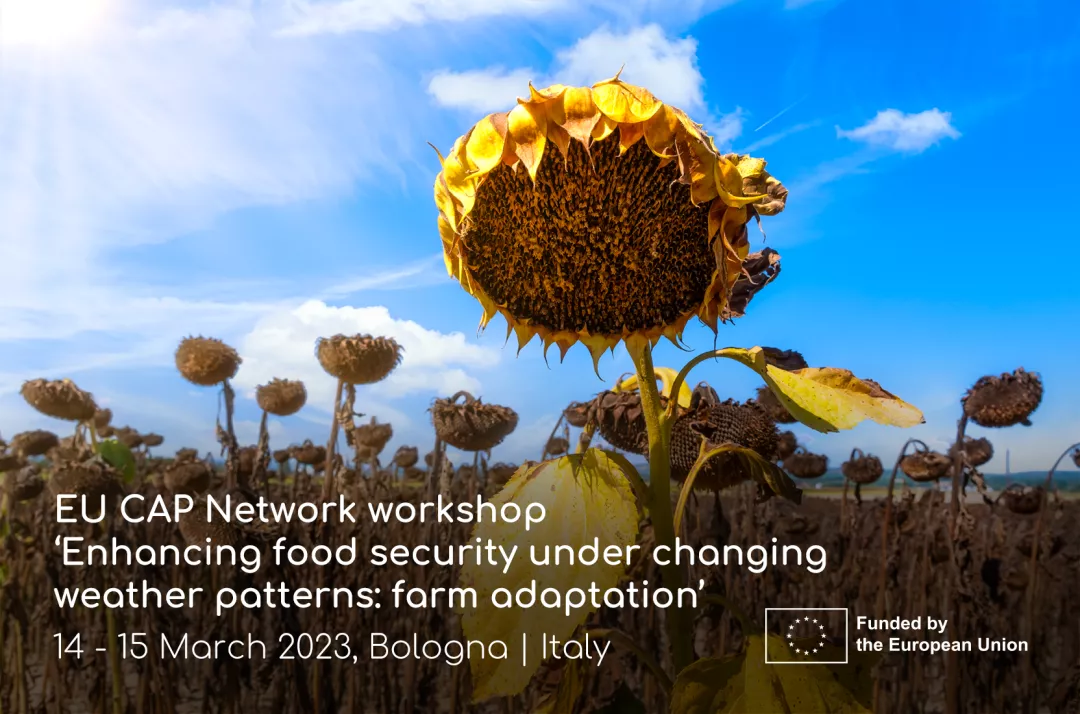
52	24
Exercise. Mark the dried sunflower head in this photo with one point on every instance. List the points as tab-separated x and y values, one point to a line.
206	361
11	462
59	399
786	444
472	425
309	454
976	451
373	436
34	443
102	418
25	484
151	440
190	478
1004	401
600	214
186	455
727	422
92	479
129	437
805	465
577	414
406	456
862	468
620	419
360	359
282	455
557	446
281	397
925	466
1023	500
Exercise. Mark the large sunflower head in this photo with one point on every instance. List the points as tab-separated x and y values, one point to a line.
600	214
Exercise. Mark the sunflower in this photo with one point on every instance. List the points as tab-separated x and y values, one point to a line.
600	214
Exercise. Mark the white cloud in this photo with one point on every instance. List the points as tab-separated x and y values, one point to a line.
482	90
342	16
282	344
648	57
898	131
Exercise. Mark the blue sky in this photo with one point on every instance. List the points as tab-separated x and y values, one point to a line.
260	172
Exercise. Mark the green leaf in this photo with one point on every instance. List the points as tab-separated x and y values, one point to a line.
827	399
586	496
745	684
119	457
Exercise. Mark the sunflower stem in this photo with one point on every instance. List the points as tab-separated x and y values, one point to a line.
678	620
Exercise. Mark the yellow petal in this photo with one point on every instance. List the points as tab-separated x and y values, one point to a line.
576	113
585	496
486	142
547	93
624	102
629	134
527	124
660	132
603	128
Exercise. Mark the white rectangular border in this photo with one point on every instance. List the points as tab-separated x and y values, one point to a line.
847	630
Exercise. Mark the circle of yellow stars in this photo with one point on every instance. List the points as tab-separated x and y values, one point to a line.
812	622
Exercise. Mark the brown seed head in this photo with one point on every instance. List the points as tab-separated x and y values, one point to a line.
360	359
472	425
190	478
414	474
282	455
786	445
196	530
976	451
186	455
406	456
862	468
309	454
34	443
25	484
577	414
926	466
805	465
206	361
151	440
102	418
281	397
620	419
746	425
59	399
373	435
91	479
129	437
1004	401
557	446
246	458
1023	500
11	462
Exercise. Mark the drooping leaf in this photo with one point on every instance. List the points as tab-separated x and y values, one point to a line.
119	457
745	684
569	691
667	376
828	399
586	496
709	686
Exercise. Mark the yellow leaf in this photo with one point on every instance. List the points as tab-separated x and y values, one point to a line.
586	496
828	399
566	696
745	684
667	376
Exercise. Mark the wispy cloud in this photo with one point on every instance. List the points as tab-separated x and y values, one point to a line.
775	137
895	130
342	16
